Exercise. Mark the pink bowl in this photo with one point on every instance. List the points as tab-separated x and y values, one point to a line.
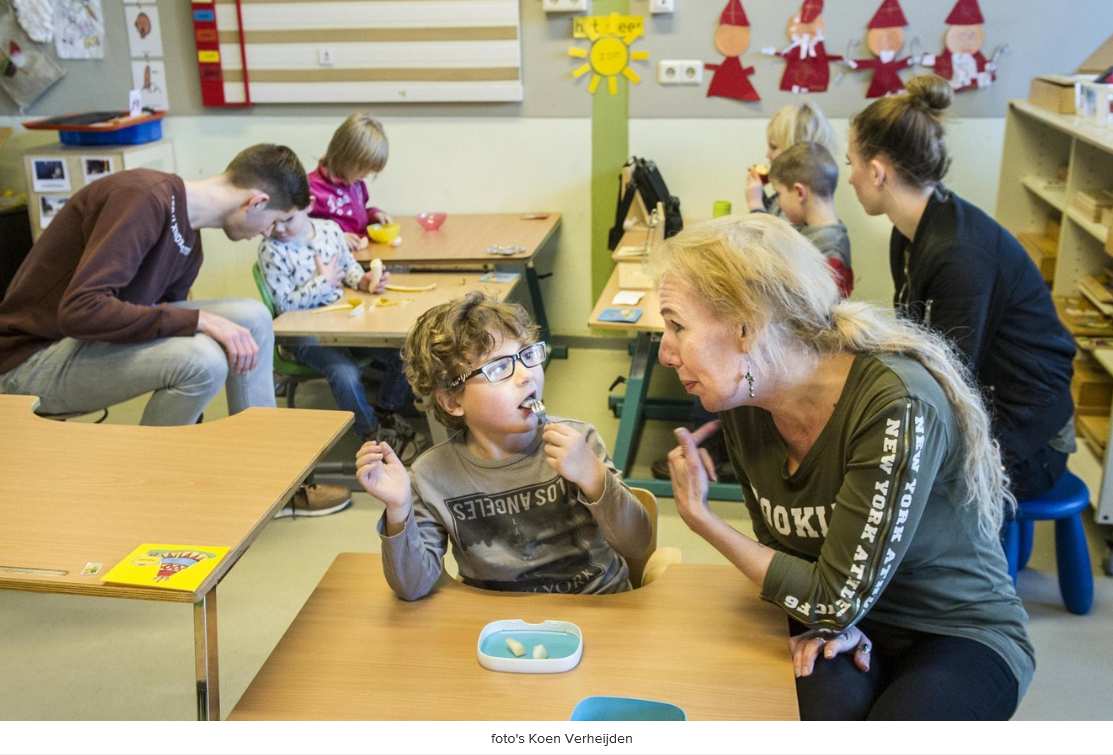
431	221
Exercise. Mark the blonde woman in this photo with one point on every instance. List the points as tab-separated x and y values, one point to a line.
868	469
791	125
357	151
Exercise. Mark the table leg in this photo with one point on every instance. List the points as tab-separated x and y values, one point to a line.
206	657
637	385
534	283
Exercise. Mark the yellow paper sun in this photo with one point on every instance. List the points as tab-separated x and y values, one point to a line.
609	54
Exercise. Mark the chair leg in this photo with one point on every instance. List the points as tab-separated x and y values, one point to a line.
1027	538
291	391
1076	580
1011	543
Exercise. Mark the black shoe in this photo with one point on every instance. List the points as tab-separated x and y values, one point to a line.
660	469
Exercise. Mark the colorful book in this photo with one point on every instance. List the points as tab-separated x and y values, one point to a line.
169	567
620	314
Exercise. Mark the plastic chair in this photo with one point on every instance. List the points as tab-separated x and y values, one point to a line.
291	372
1063	504
645	570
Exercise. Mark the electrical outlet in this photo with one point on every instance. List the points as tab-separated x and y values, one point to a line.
564	6
679	72
662	6
326	56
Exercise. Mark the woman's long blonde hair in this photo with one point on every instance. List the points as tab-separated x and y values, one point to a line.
758	272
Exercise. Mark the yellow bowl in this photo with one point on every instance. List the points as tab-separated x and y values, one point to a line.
383	234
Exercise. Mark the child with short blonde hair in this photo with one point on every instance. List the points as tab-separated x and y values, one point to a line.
790	125
529	503
358	149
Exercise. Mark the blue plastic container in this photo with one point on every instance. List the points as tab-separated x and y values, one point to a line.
601	708
140	133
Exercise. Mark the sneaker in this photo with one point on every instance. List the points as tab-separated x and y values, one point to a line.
316	500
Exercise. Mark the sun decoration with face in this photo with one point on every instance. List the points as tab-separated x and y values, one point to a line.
609	54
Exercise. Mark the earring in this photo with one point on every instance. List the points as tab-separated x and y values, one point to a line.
749	376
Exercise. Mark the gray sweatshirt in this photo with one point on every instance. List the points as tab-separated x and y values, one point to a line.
514	525
832	240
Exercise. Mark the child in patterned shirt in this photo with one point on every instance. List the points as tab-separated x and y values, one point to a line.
357	150
306	264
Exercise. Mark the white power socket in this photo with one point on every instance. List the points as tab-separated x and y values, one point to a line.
326	56
564	6
679	72
662	6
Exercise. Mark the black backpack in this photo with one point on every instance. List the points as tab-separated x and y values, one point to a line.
646	180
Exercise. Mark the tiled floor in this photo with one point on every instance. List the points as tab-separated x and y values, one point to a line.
67	657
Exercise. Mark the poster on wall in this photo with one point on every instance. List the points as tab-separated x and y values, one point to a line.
79	29
49	174
149	77
96	167
144	31
49	206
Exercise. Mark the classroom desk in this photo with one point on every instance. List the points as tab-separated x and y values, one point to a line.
698	637
385	325
635	407
74	494
464	239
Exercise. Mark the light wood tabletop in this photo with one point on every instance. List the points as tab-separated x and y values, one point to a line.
699	637
386	318
651	320
465	239
74	493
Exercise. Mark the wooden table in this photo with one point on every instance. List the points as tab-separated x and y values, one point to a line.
698	637
74	494
381	325
463	240
635	406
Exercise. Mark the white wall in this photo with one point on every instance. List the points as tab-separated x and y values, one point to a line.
508	165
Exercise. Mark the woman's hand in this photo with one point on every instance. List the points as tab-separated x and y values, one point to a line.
805	649
691	470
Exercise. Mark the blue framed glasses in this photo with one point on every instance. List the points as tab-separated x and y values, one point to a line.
501	368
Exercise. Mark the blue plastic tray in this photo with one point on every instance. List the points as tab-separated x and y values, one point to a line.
140	133
601	708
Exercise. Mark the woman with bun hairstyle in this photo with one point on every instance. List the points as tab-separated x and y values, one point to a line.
958	272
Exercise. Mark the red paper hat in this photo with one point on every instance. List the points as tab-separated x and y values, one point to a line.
965	13
888	16
811	10
733	15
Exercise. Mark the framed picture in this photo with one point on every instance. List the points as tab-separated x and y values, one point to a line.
144	31
49	206
49	174
93	168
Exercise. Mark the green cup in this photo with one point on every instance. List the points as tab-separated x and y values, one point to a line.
720	208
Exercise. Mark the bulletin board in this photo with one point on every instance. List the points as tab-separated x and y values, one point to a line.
357	51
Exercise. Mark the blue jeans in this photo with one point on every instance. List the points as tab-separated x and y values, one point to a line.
343	368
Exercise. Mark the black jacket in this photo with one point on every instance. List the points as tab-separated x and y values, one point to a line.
968	278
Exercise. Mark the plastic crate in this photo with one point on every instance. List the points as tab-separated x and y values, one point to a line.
140	133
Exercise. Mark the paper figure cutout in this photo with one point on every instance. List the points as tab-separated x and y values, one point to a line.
610	53
807	64
961	62
732	38
884	38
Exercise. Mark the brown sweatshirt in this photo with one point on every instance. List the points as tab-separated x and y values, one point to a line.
104	268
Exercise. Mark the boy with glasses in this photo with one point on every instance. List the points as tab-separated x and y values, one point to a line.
529	503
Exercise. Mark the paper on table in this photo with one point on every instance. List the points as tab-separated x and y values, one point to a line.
627	298
630	251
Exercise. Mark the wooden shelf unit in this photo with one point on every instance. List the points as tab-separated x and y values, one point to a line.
1041	147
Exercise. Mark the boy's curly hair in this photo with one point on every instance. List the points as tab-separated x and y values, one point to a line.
449	341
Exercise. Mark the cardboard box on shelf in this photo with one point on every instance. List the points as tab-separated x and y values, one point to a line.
1095	102
1093	203
1042	249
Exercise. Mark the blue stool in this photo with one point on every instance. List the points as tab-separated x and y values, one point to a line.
1064	503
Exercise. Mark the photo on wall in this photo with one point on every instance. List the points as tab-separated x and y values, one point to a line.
93	168
49	206
49	174
144	31
149	77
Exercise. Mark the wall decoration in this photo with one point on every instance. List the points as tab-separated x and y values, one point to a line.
25	72
149	77
732	39
609	55
93	168
358	51
49	206
144	30
37	18
807	64
885	39
961	62
50	174
79	32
